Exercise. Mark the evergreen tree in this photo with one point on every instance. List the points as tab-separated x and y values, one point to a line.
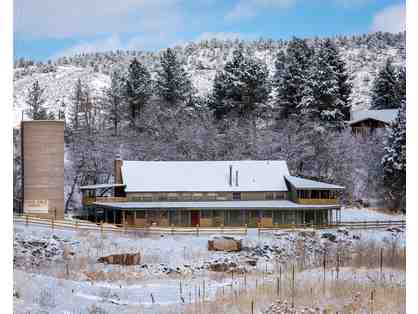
113	100
173	84
401	85
338	65
291	76
321	100
35	101
394	159
243	86
139	88
385	94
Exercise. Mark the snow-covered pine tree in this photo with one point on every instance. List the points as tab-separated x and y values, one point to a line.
321	100
338	65
113	100
35	101
401	88
243	86
394	159
385	88
173	83
290	79
139	88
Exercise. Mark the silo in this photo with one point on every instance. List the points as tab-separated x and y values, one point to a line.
43	168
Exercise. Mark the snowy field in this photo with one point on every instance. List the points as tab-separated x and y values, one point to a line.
366	214
56	271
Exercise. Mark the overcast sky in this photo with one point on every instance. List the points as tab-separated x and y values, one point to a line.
46	29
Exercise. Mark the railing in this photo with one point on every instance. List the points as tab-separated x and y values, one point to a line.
125	228
122	228
367	224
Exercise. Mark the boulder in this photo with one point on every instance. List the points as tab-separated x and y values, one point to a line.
121	259
224	243
330	236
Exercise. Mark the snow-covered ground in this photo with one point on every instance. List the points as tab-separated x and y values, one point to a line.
168	261
366	214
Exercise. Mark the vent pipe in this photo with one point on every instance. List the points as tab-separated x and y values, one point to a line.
230	175
236	178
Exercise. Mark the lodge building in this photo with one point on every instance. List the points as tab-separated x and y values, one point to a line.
210	194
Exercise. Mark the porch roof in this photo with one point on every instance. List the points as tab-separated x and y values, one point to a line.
214	205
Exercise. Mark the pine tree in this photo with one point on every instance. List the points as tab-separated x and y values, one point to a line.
139	88
173	83
291	76
113	100
321	100
35	101
343	78
243	87
394	159
385	88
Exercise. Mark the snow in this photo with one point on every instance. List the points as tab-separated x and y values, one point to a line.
366	214
186	257
204	176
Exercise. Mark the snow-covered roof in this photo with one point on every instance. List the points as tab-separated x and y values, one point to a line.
100	186
276	204
301	183
204	176
385	115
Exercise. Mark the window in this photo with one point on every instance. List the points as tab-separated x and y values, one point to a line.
279	196
267	214
140	214
324	194
304	194
204	214
315	194
269	195
236	196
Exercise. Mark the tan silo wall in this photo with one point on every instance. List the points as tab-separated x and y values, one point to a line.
43	168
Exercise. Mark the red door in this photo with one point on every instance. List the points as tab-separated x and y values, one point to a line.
195	217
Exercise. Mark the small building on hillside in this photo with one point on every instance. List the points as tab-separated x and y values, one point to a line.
211	194
365	122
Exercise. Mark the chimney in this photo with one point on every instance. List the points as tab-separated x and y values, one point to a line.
118	169
230	175
236	178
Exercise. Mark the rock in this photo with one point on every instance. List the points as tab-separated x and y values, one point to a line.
222	267
121	259
224	243
251	262
330	236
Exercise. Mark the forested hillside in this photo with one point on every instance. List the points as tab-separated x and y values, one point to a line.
214	100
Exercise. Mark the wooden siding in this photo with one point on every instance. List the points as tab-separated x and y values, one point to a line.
201	196
317	201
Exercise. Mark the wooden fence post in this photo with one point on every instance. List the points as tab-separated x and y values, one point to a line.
27	220
246	229
197	229
52	222
252	306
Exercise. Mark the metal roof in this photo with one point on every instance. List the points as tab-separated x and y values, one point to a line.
384	115
301	183
100	186
275	204
204	176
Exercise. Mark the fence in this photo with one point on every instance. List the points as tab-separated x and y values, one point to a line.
124	228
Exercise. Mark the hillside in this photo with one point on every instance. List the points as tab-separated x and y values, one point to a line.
363	54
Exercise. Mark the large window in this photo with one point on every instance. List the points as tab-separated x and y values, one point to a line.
236	196
204	214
